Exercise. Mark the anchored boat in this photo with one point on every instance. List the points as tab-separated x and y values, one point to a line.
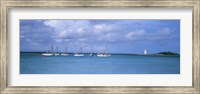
104	54
91	54
48	53
79	54
56	53
65	53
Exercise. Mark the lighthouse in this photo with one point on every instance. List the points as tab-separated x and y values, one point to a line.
145	51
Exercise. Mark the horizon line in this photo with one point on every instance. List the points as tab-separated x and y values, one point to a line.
100	52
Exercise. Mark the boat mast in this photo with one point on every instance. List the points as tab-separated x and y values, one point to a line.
91	49
65	49
81	49
106	50
57	48
51	48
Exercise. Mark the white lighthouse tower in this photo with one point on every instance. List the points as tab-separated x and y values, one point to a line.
145	51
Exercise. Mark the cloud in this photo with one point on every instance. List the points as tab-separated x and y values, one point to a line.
34	33
119	31
21	36
84	33
69	28
136	35
78	29
144	35
101	28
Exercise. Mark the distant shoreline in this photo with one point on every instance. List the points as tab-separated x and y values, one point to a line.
114	54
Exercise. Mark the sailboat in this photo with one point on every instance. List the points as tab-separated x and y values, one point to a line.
48	53
65	53
104	54
56	53
91	54
79	54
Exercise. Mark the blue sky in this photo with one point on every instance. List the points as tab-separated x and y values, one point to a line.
120	36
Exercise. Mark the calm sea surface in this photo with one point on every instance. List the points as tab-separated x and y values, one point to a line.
35	63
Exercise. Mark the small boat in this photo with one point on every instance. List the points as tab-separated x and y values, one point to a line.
56	53
104	54
47	54
91	54
79	54
65	53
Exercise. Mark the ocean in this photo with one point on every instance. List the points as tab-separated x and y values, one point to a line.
35	63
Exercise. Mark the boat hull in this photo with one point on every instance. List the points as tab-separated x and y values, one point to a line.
64	54
91	54
47	54
103	55
56	54
80	55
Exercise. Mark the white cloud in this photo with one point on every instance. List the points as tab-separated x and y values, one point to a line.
144	35
58	40
67	28
78	29
83	31
138	34
100	28
61	25
28	40
110	37
21	36
165	31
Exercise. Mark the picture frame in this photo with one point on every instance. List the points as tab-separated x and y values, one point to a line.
4	58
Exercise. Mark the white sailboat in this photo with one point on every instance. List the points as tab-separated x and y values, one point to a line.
91	54
48	53
104	54
65	54
79	54
56	53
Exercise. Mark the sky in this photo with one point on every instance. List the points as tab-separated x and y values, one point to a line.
119	36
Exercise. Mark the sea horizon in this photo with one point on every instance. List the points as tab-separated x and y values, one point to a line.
97	53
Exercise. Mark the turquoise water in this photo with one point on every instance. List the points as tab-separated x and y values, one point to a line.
35	63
